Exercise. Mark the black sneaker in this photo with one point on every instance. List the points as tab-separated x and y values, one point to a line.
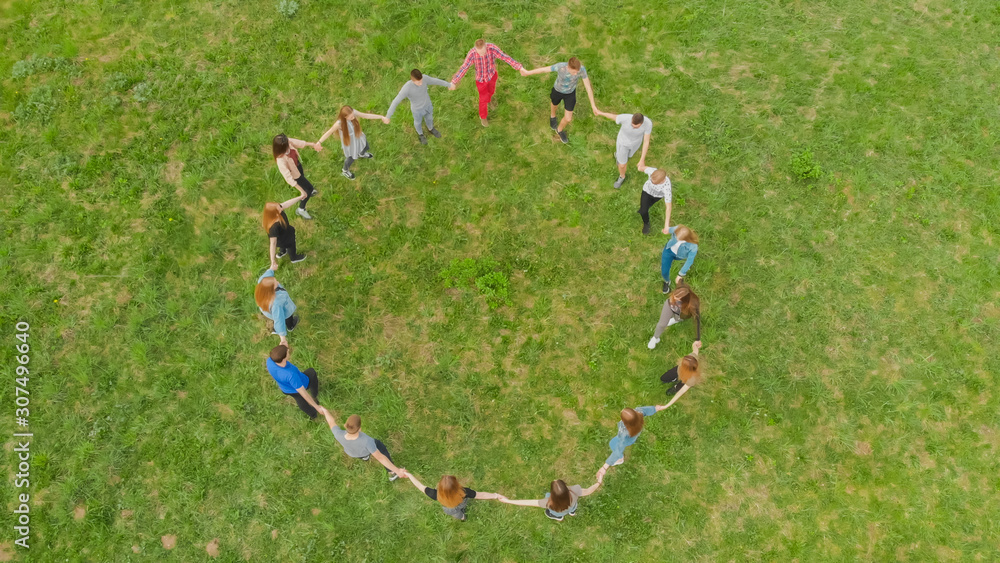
423	140
677	387
348	174
314	193
645	228
367	155
563	137
280	254
553	516
436	133
553	123
666	288
298	258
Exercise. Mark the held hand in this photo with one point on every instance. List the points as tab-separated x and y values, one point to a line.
385	120
696	346
318	146
666	230
678	280
523	72
501	498
641	167
274	265
402	473
452	86
284	341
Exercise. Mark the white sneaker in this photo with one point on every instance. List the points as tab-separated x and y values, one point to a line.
303	213
672	321
653	342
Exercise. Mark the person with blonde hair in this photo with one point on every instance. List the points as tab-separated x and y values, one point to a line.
275	304
352	138
561	500
629	428
657	187
280	232
483	56
359	445
683	245
286	156
681	304
687	371
564	92
452	496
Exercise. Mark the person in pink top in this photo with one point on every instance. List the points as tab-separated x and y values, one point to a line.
483	56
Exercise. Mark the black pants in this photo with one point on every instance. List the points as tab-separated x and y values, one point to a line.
670	377
382	450
645	202
350	160
304	405
287	243
305	185
291	322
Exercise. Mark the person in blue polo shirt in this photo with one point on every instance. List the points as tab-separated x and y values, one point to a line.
303	386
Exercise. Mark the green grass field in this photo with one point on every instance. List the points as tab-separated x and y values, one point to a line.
850	320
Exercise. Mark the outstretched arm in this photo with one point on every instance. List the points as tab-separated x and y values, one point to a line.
645	148
388	464
330	131
431	81
600	113
674	400
666	219
371	116
539	70
535	502
300	144
291	202
465	68
489	496
498	53
416	483
590	93
329	417
396	101
307	396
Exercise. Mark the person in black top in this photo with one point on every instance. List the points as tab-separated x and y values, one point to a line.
452	496
280	231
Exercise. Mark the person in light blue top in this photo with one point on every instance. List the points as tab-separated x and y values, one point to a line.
273	301
683	245
629	428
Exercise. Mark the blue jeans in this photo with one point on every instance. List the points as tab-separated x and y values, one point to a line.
666	262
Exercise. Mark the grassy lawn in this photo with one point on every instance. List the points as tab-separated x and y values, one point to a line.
850	319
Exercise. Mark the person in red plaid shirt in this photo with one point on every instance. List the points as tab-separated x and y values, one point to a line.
484	56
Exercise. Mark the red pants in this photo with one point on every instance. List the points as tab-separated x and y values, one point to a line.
486	91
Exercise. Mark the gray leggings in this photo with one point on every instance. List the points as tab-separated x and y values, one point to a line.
350	160
426	116
665	315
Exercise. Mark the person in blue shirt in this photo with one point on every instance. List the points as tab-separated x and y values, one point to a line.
683	245
629	428
303	386
273	301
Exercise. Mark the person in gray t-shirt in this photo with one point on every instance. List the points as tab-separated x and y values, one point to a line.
420	102
359	445
564	91
636	130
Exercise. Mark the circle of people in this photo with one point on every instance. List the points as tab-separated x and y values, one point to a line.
277	306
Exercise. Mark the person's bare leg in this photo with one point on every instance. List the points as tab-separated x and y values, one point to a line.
621	170
552	113
565	120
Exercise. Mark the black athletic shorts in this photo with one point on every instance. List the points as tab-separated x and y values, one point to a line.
568	99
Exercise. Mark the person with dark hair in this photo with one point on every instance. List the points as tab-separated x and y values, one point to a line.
636	129
286	155
303	386
561	500
682	304
280	233
683	245
483	56
687	370
353	140
359	445
452	495
564	92
415	90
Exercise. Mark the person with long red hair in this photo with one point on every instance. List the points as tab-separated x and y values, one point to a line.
352	138
280	232
452	496
275	304
685	375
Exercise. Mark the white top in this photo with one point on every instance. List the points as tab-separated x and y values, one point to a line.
657	190
676	247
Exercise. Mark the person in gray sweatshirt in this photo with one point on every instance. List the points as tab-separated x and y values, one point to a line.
420	102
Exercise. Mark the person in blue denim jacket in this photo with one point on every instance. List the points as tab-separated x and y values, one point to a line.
683	245
273	301
629	428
